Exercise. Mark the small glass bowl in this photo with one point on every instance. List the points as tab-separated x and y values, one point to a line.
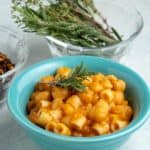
15	48
126	19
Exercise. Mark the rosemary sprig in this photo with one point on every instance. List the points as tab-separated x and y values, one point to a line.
71	21
116	33
74	81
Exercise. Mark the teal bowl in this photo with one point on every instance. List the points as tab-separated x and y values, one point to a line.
22	86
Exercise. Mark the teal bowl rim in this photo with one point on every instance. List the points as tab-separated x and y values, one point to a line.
35	129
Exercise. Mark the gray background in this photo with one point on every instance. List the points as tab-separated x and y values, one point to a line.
12	136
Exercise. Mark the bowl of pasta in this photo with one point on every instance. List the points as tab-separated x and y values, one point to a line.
79	102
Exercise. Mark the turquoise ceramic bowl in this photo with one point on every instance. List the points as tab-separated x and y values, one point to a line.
22	86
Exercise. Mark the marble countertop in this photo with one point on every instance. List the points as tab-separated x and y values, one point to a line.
13	137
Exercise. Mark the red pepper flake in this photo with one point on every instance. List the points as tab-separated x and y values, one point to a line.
5	64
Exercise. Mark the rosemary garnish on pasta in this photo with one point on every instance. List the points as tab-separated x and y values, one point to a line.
74	81
73	21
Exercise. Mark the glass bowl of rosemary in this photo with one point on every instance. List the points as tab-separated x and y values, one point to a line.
13	56
81	27
128	23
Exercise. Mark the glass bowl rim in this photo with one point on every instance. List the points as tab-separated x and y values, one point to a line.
19	64
107	48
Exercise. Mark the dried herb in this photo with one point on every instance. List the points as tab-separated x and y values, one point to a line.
5	64
74	81
72	21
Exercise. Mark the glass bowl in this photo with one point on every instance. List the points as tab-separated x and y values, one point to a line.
15	48
126	19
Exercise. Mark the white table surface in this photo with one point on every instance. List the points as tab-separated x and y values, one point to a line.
12	137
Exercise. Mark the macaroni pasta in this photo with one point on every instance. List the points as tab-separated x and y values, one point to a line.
100	109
